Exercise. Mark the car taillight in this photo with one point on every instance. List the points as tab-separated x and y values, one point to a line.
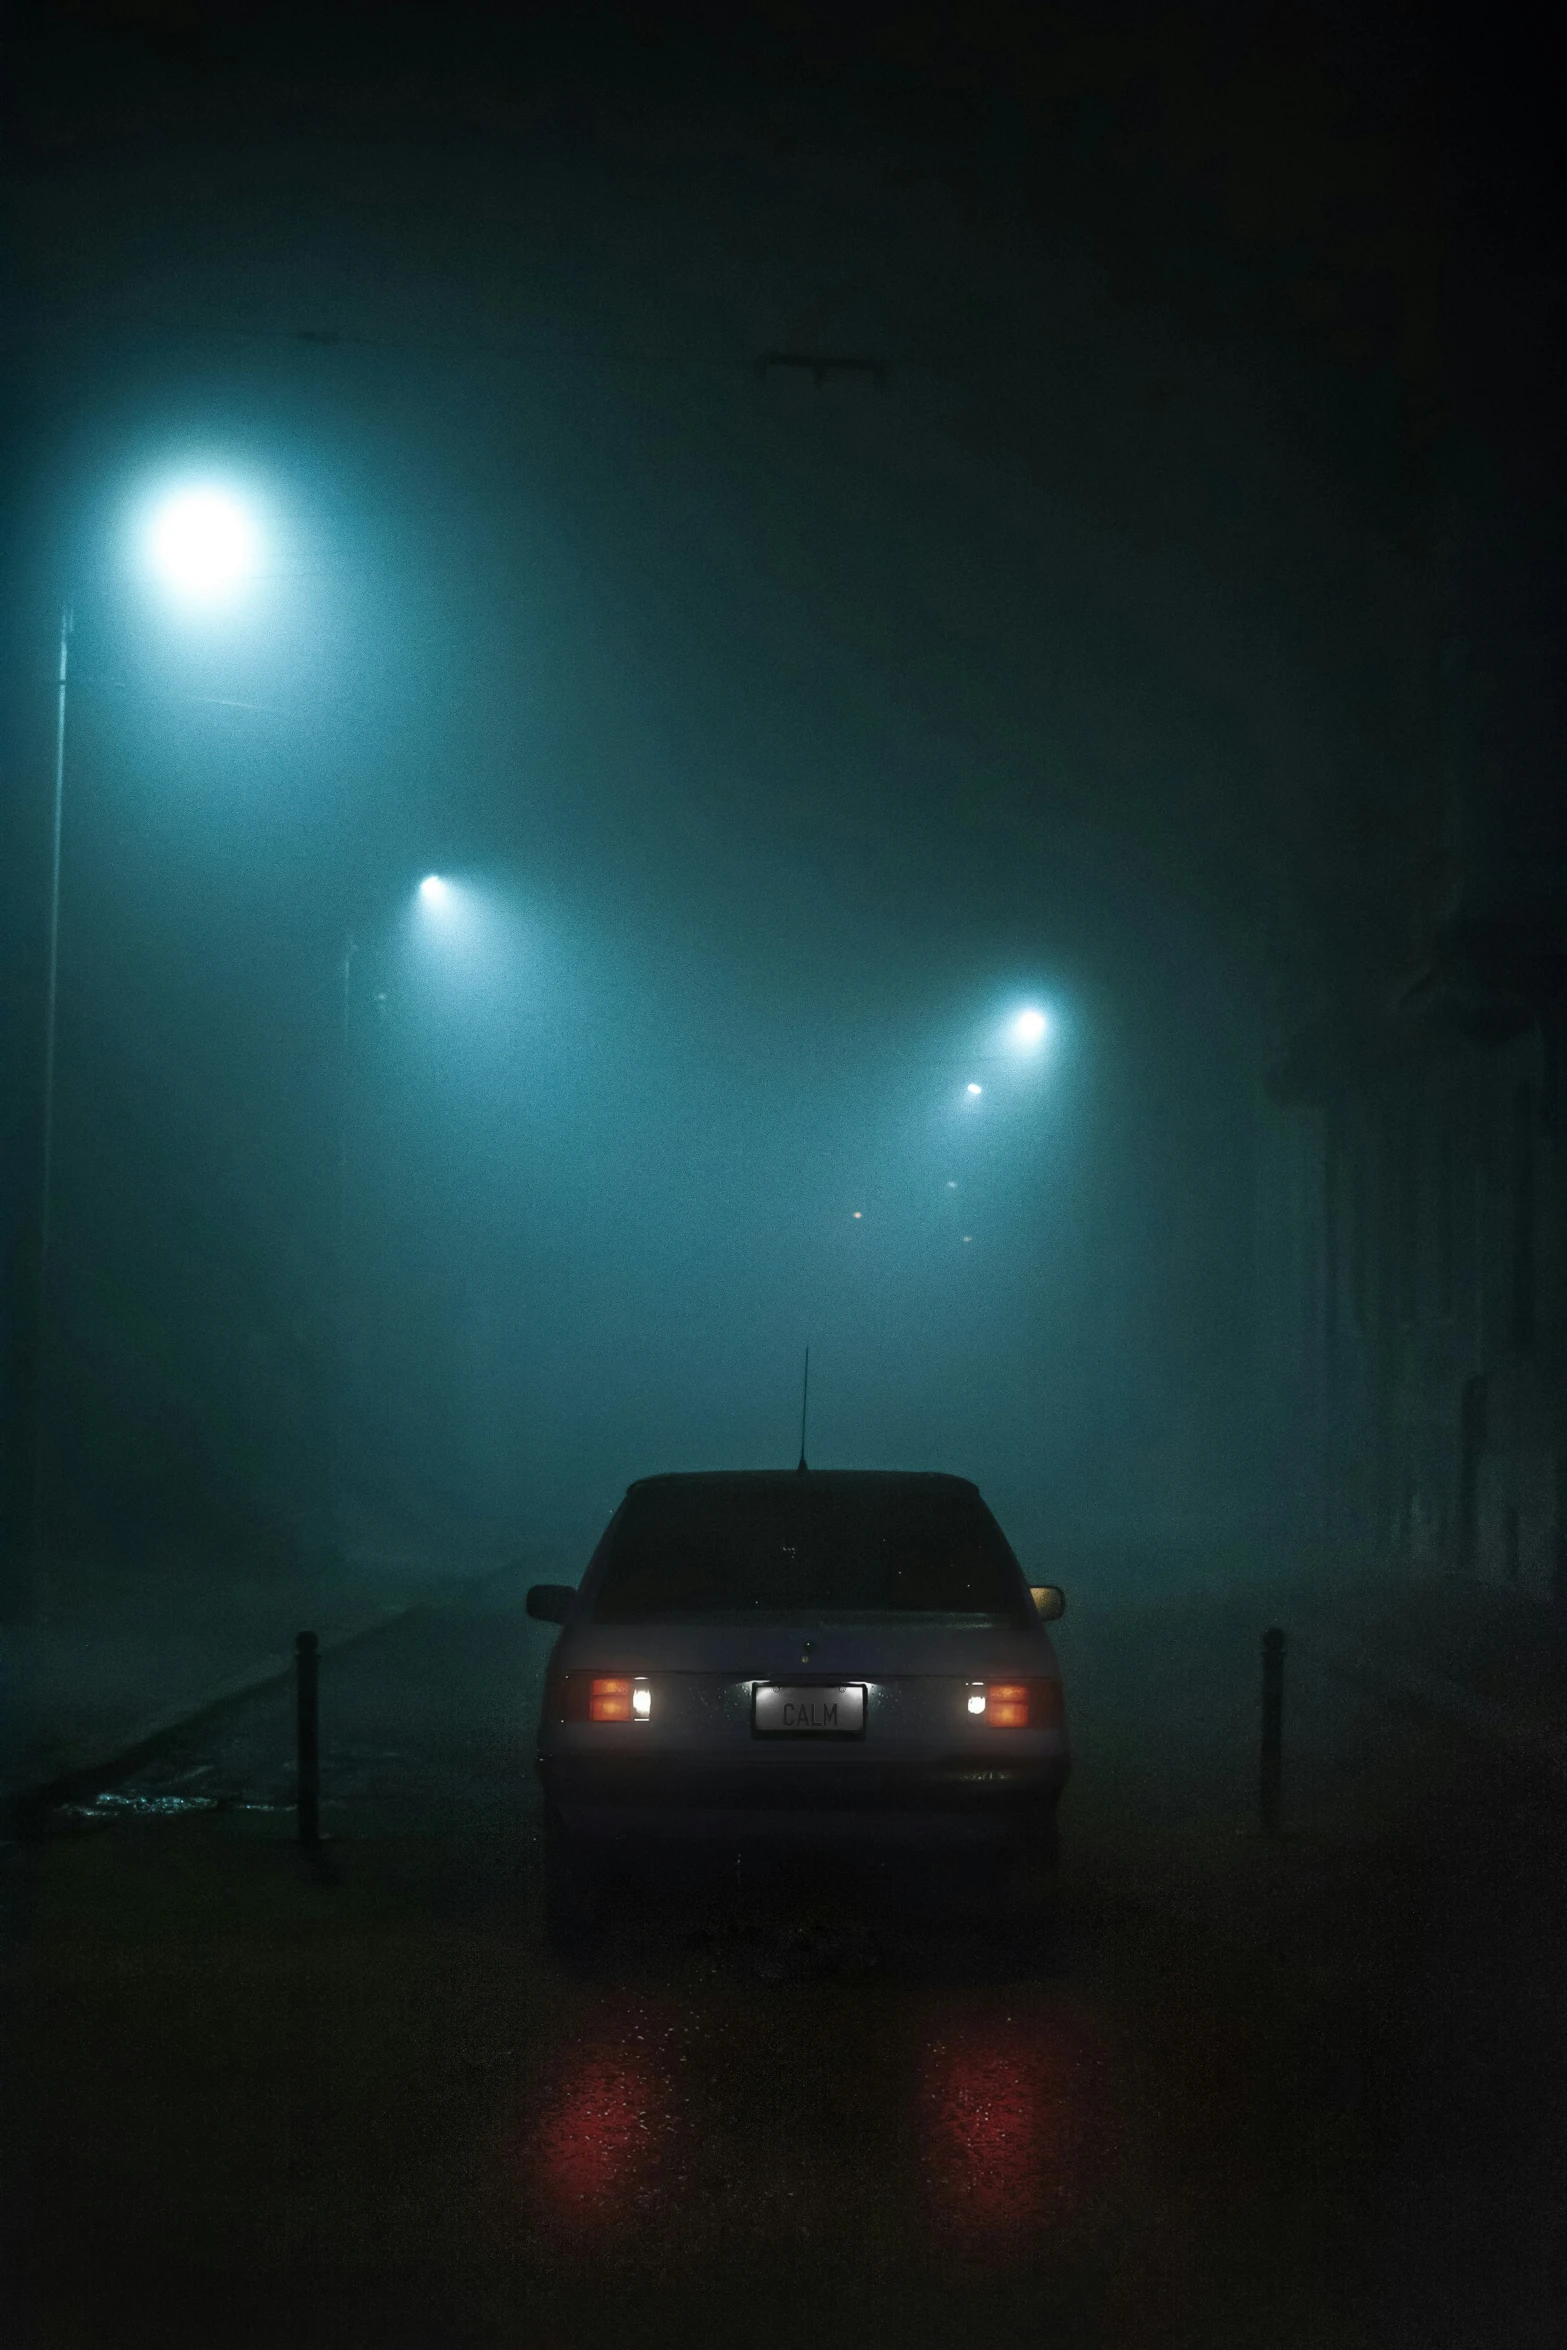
1017	1705
606	1697
609	1698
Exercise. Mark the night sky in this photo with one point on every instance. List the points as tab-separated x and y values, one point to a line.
781	736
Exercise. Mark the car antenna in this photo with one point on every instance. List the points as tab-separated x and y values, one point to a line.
805	1397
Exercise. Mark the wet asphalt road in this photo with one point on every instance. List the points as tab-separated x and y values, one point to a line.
1299	2094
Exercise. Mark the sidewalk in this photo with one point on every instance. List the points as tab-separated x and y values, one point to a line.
118	1654
1401	1694
1489	1660
1486	1659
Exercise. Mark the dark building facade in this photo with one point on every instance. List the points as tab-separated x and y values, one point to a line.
1412	1195
1412	1220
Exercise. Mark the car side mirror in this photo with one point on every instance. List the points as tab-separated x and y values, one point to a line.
1050	1600
550	1603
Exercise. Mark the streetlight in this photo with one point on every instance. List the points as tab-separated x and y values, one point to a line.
202	541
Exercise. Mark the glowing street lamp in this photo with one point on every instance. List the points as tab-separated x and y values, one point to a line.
434	892
1030	1028
202	541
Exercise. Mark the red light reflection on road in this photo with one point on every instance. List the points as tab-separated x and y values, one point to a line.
1015	2128
598	2145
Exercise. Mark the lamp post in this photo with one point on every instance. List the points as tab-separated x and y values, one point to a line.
19	1596
336	1435
201	542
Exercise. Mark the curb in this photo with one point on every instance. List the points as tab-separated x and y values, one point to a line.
24	1805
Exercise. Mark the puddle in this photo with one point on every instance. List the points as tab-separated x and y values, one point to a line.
141	1807
168	1796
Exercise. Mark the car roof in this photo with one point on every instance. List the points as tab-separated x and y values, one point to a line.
791	1478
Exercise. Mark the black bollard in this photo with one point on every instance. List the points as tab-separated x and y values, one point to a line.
1272	1728
308	1798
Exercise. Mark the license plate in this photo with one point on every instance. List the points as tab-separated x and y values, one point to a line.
781	1712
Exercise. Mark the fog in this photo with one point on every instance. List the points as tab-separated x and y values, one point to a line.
782	730
691	691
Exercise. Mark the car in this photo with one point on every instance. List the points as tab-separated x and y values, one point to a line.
798	1658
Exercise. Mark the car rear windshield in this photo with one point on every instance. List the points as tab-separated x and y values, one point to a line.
819	1548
